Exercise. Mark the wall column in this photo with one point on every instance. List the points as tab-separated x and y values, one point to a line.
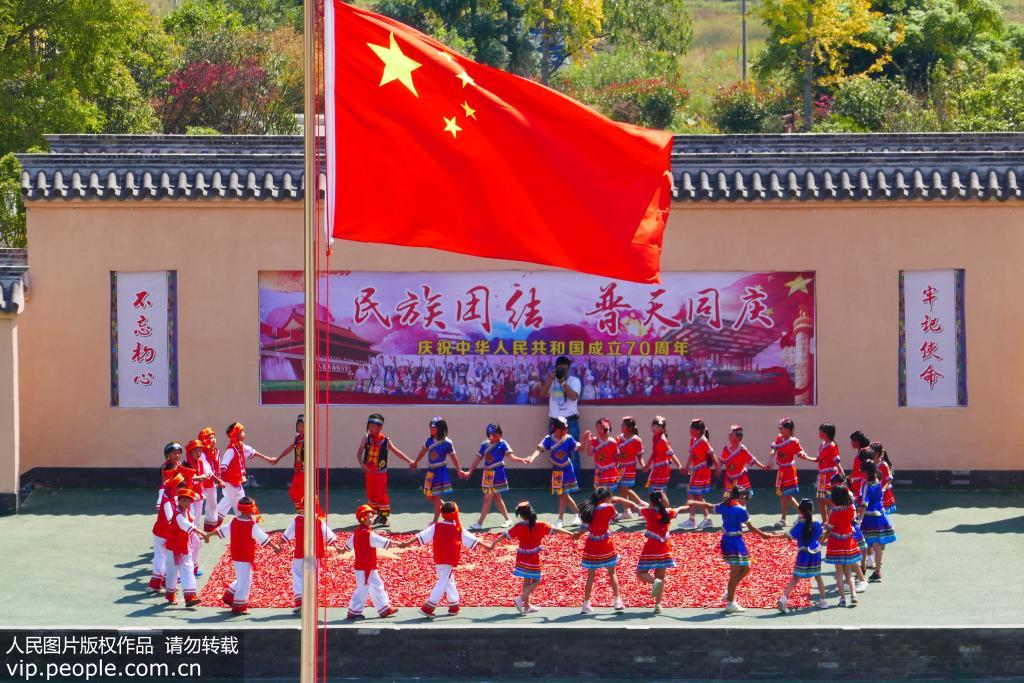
9	435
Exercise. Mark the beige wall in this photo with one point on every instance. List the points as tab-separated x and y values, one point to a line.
856	249
9	427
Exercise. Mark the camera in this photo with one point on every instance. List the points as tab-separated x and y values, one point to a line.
560	373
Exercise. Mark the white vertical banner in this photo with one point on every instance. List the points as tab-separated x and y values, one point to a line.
143	339
932	334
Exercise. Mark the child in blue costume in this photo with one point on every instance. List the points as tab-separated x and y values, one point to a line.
438	448
808	535
560	447
875	524
734	551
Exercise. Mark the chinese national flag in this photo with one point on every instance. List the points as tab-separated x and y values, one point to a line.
429	149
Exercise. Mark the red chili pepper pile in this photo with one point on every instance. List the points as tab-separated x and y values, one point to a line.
485	577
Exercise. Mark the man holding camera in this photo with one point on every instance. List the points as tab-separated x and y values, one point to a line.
563	390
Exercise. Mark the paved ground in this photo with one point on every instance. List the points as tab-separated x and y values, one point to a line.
82	558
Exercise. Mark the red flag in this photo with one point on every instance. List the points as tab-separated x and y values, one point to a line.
427	148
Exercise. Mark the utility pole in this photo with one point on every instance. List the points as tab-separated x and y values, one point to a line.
743	10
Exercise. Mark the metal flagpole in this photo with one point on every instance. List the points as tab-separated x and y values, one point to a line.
308	663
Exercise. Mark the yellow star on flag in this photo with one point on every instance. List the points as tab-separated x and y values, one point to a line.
451	126
397	67
798	284
470	112
466	79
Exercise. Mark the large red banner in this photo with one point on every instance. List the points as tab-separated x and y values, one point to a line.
491	337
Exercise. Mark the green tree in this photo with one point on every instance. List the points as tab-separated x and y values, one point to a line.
746	108
87	66
869	105
995	103
231	77
12	210
933	32
654	26
643	88
493	32
813	43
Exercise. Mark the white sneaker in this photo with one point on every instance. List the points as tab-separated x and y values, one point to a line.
507	524
532	610
861	586
476	526
558	524
628	514
734	607
518	602
706	524
821	604
586	609
619	605
689	524
870	562
781	522
781	605
576	521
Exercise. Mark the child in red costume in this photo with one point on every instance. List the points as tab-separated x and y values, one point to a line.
365	543
447	537
245	534
233	465
372	456
165	504
529	534
631	456
662	458
598	550
178	556
201	483
297	489
208	438
701	464
785	449
296	532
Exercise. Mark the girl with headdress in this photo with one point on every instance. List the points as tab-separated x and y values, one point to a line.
438	448
529	534
166	502
233	468
493	452
201	484
178	550
208	438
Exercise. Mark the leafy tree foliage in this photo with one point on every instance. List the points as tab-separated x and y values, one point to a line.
78	66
